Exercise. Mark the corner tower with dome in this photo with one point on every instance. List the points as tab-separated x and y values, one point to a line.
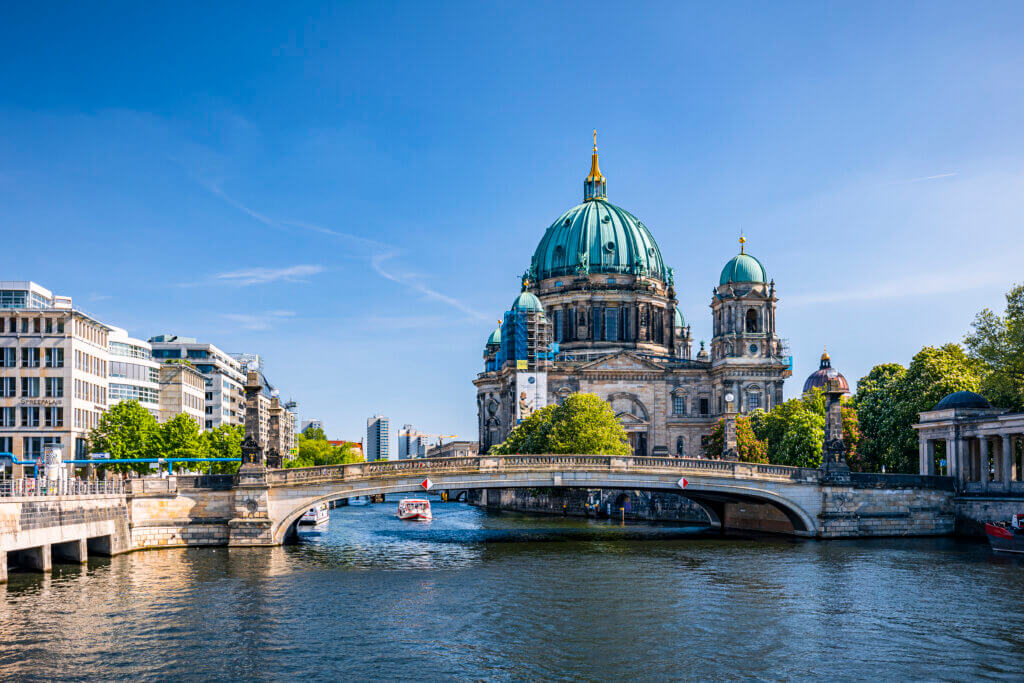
598	314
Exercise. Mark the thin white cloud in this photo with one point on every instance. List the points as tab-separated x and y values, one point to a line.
919	286
378	253
923	178
410	281
258	321
260	276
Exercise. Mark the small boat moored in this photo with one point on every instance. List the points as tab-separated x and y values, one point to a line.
1006	537
416	509
315	515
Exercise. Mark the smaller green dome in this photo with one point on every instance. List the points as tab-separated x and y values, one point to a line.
743	268
680	321
527	301
495	337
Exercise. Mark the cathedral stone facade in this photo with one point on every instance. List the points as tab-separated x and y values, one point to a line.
598	314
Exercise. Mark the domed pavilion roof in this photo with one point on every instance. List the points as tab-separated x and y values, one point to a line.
597	237
820	378
743	268
963	399
495	337
680	320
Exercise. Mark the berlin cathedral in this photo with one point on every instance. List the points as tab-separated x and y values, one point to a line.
597	314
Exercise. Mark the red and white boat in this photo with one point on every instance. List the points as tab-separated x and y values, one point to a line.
1006	537
416	509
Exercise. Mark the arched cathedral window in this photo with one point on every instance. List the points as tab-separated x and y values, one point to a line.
752	323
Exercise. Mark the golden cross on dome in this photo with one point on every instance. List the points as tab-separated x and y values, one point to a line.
595	139
743	241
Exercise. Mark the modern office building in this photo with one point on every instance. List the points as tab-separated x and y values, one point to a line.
378	445
454	449
54	362
411	443
133	374
224	377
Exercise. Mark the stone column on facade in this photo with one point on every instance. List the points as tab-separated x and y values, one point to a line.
962	458
951	468
983	461
1006	461
922	454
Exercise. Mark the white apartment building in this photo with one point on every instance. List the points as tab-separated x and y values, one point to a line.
224	377
133	374
412	443
54	364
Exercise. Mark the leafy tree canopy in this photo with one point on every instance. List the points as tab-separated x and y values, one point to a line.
583	423
313	452
890	398
997	343
126	430
314	434
749	448
223	441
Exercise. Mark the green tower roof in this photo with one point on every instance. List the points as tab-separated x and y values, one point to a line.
527	301
743	268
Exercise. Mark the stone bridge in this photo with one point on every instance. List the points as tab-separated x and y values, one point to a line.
260	506
734	494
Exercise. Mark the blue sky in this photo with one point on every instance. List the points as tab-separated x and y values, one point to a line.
352	190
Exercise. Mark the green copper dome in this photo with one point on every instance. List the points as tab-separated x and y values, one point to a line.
743	268
495	337
597	237
526	301
680	321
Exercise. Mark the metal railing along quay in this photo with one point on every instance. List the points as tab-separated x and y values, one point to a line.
29	487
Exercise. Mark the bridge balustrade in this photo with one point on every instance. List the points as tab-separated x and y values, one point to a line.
511	463
28	487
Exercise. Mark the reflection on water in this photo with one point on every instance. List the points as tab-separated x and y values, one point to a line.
479	595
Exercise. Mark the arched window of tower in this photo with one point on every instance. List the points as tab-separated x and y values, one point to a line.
752	320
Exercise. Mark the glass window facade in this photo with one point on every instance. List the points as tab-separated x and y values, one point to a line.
129	350
128	392
611	324
8	387
8	357
30	358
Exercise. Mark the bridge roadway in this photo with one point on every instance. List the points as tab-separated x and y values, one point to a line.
812	508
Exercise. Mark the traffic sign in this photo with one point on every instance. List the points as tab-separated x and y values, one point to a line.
943	462
100	456
426	484
682	482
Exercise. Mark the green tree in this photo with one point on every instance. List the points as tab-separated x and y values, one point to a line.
223	441
997	343
314	434
583	423
314	452
127	430
748	447
889	400
793	431
180	437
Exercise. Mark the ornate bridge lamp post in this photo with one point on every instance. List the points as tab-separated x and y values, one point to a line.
251	524
833	457
730	445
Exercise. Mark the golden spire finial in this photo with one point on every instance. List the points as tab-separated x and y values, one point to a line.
824	354
743	241
595	140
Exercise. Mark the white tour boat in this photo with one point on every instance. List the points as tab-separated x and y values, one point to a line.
315	515
417	509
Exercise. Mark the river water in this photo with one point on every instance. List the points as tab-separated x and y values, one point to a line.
484	595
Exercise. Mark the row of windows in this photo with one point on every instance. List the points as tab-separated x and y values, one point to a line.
32	416
128	392
33	325
91	333
86	419
612	323
88	391
192	401
90	364
142	373
679	405
32	357
129	350
53	387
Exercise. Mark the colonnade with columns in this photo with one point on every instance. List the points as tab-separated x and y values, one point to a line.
983	461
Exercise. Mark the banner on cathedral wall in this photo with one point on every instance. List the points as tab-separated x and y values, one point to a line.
531	393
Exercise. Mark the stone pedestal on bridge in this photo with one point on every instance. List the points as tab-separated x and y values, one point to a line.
251	524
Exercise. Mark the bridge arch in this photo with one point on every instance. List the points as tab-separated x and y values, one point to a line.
709	489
